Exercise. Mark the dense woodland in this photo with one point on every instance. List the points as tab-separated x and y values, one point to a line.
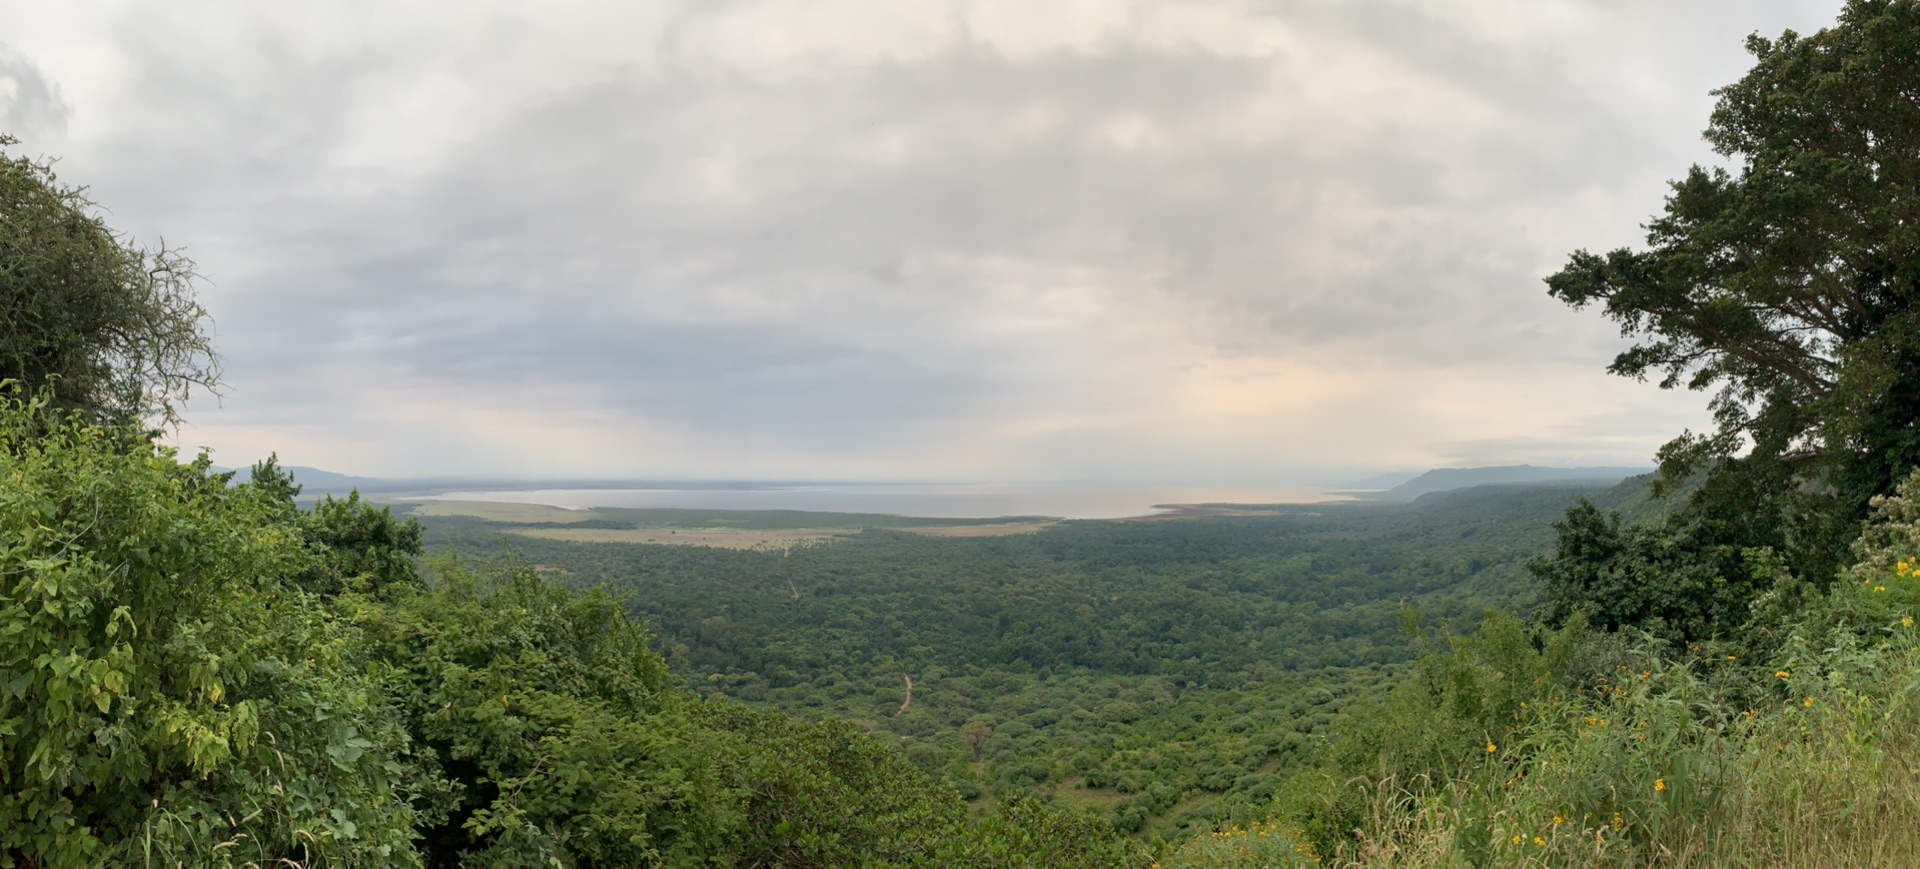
1717	666
200	673
1169	673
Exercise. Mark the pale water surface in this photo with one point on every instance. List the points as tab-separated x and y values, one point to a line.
942	501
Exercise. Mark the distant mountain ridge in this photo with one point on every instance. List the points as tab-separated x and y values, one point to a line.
1448	479
1387	480
314	482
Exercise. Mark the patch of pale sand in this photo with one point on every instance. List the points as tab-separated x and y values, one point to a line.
500	511
981	530
1194	511
721	538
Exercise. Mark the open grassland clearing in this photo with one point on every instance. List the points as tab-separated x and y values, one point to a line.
725	538
498	511
1001	530
796	520
767	530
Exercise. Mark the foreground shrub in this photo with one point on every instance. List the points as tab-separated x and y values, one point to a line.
199	674
1260	845
1638	752
166	693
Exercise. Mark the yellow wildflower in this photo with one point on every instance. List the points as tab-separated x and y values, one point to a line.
1558	820
1516	840
1783	674
1809	703
1491	748
1879	588
1906	621
1539	841
1659	784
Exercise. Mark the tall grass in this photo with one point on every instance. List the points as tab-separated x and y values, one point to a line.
1828	777
1639	754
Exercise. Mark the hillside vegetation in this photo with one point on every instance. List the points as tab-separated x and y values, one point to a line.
1169	674
1528	745
1730	682
194	671
198	673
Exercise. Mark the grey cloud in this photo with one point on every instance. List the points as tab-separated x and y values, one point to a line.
822	255
1216	222
30	104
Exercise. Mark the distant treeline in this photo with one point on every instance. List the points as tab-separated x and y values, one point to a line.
1141	667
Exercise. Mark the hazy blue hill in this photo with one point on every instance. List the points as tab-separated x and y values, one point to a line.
1387	480
315	482
1448	479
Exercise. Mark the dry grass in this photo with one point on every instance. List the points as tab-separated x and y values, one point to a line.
1843	794
1837	786
1195	511
719	538
1814	806
1404	829
1005	530
499	511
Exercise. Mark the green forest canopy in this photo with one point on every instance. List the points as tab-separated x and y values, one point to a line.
196	672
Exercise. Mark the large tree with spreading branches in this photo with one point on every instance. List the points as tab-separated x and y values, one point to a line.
1787	284
111	327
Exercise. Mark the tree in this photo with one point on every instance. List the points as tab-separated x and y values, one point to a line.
976	733
1636	575
359	546
179	690
111	327
172	696
1789	285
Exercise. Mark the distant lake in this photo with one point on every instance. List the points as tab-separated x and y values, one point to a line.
940	501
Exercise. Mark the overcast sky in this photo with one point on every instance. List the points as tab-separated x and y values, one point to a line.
1196	242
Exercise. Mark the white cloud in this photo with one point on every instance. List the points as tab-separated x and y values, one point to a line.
1224	240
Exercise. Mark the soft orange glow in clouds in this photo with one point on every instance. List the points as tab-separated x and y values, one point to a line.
1205	242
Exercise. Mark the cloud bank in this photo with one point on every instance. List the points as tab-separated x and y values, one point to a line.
1198	242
